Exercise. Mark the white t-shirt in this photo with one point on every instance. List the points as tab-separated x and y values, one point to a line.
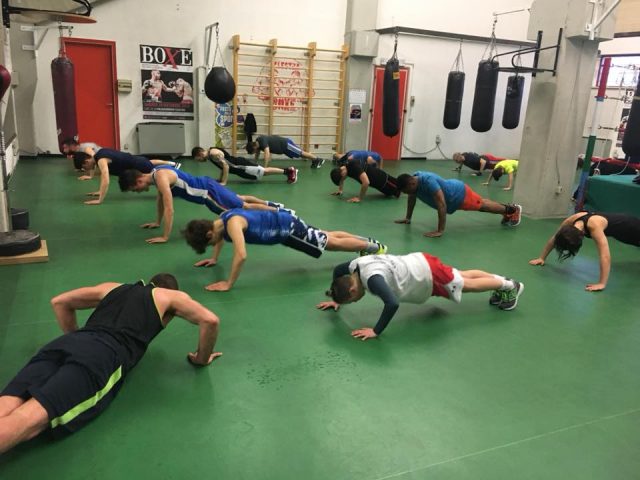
408	276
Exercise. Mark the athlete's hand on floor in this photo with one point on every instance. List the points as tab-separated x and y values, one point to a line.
84	177
92	202
485	183
336	194
157	240
433	234
354	200
595	287
192	358
506	189
364	333
93	194
403	220
328	305
150	225
222	286
207	262
536	261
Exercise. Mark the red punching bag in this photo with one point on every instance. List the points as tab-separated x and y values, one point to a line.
64	94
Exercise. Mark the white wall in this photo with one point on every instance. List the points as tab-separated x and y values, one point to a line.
181	24
473	17
431	59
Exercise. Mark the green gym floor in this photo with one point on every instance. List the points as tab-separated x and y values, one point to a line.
550	390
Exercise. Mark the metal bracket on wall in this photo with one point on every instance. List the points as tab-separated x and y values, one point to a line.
37	40
536	51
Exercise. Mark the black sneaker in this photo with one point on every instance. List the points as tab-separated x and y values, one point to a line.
510	297
496	298
317	163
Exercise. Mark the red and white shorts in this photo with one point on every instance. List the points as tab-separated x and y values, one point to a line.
447	281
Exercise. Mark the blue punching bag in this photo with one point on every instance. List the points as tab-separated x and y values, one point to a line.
484	98
64	94
453	102
391	98
513	102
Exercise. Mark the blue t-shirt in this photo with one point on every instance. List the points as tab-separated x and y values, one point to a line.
430	183
264	227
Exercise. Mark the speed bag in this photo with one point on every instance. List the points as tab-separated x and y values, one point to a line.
390	98
513	102
453	102
631	139
64	95
219	85
484	98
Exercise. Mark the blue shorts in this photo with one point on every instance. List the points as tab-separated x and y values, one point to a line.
306	239
221	198
293	150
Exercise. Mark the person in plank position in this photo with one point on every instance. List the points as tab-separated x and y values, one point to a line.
240	166
112	162
412	278
75	377
267	228
510	167
274	144
171	182
367	175
449	196
567	240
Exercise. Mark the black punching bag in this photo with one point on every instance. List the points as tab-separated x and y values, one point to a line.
453	102
390	98
219	85
631	139
64	95
484	98
513	102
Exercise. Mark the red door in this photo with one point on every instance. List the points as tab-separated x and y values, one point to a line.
96	90
390	148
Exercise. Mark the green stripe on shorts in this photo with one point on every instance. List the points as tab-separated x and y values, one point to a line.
89	402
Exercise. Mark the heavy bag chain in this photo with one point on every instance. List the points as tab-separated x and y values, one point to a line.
492	46
217	49
458	63
395	44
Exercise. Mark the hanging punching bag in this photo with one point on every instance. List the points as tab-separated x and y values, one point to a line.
631	139
513	102
453	102
484	98
64	94
219	85
390	98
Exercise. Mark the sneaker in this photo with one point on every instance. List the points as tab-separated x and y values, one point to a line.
496	298
477	174
382	249
510	297
505	219
317	163
292	175
514	218
177	165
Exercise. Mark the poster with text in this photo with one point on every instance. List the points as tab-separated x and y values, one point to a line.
167	82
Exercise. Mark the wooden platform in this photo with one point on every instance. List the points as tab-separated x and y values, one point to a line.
39	256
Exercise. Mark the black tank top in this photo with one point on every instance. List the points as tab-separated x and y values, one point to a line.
128	314
624	228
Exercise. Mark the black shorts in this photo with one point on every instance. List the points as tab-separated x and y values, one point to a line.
74	378
306	239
